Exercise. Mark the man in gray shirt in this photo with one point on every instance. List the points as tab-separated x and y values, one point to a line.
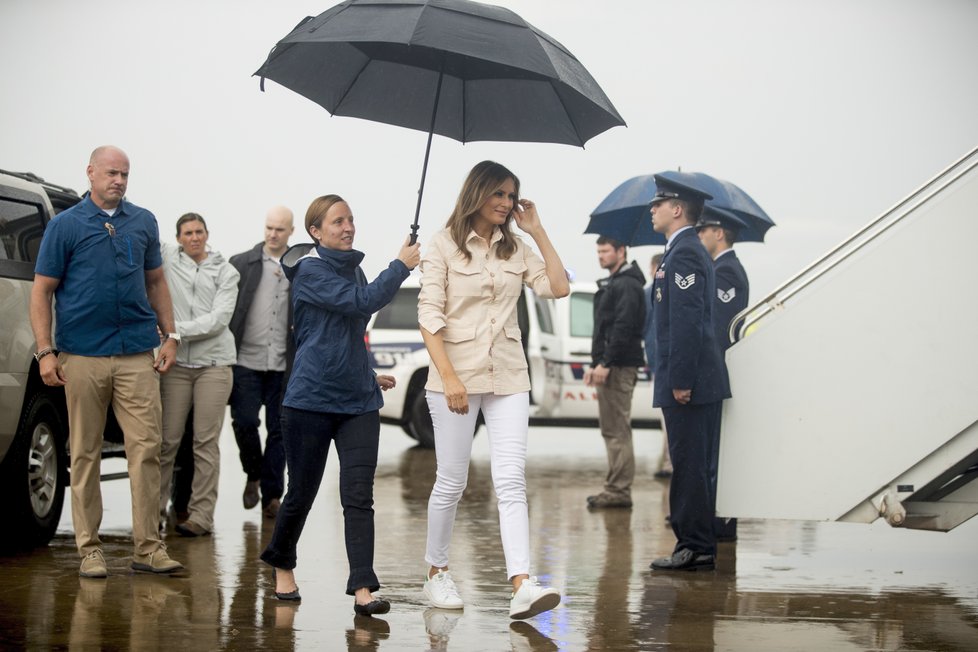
260	326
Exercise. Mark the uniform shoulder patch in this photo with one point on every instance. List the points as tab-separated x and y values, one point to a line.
726	296
685	282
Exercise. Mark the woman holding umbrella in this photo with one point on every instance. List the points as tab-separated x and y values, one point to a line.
472	275
331	303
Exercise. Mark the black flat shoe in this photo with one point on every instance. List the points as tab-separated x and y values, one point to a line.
374	608
292	596
685	560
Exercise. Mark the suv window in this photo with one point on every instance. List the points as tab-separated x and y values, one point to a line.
581	314
21	228
401	313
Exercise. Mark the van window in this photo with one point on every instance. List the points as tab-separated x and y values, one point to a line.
544	317
401	313
581	314
21	228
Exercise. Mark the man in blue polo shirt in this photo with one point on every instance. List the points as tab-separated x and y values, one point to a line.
101	260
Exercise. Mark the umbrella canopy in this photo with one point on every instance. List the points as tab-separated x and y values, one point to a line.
731	198
624	213
462	69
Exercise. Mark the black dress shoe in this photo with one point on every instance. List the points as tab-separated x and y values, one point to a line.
685	560
372	608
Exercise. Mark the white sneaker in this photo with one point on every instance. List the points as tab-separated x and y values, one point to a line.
442	592
532	599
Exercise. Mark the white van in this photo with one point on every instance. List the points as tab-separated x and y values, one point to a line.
557	344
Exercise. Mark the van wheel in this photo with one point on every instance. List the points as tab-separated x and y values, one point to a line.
419	422
33	477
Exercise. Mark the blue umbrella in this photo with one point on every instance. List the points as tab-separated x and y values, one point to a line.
624	213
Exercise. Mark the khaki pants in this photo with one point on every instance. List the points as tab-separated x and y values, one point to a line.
615	418
206	390
131	386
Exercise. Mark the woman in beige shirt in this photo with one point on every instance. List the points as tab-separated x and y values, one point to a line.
472	276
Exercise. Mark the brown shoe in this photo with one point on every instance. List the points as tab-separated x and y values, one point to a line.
252	494
608	500
271	509
157	561
93	565
190	529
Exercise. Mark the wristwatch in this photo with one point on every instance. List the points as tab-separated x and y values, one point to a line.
172	336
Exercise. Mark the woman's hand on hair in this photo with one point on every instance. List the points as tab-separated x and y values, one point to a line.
525	213
410	254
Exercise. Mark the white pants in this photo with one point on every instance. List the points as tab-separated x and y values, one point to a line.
507	421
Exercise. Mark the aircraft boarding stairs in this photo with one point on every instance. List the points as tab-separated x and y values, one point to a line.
855	390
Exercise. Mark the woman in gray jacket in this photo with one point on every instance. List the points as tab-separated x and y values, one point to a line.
203	288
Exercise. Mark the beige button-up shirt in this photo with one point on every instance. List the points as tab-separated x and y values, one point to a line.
473	304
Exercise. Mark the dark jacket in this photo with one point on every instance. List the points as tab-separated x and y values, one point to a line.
332	371
649	334
619	319
686	352
249	267
733	292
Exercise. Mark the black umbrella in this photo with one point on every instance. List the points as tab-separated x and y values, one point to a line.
624	214
461	69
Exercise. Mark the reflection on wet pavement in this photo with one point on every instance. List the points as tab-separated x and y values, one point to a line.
783	585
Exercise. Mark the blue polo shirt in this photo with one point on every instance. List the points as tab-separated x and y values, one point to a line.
101	307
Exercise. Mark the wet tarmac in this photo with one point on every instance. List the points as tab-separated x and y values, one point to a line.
782	586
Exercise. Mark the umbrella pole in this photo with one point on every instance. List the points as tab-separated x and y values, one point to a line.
424	168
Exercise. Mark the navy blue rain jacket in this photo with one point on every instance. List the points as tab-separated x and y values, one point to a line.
332	371
686	351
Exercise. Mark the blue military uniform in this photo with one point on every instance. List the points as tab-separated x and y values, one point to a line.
732	295
733	290
687	356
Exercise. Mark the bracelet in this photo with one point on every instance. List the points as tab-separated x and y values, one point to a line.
43	352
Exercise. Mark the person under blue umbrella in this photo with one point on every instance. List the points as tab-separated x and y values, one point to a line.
690	375
718	230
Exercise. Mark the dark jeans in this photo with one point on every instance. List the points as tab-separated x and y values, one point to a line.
307	436
253	389
692	435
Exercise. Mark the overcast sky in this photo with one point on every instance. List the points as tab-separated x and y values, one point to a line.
826	112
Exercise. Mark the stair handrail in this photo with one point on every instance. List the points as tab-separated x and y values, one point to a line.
774	301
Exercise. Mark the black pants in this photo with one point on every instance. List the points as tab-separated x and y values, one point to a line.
253	389
307	436
692	431
724	528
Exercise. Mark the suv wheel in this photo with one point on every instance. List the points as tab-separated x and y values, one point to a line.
34	475
419	423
